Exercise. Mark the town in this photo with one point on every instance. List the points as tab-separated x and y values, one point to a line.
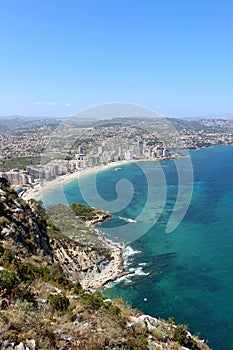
43	149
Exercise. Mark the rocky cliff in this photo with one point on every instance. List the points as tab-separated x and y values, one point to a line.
81	251
22	226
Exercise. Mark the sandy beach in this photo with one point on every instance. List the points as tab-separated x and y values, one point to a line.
35	192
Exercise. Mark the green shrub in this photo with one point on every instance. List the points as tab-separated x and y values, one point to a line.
77	288
83	211
92	300
112	309
181	336
139	343
171	320
58	301
5	256
29	272
60	280
115	311
8	280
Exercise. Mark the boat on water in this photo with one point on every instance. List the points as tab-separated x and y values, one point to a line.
127	219
117	169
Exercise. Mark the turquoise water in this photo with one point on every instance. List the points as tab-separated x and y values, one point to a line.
187	273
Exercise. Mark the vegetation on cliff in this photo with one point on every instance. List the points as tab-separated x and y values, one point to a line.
42	306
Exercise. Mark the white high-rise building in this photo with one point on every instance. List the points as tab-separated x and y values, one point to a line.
129	155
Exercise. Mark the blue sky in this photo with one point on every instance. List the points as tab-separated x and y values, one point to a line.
60	56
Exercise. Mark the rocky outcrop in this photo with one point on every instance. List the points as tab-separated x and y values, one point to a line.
164	335
79	262
100	217
83	255
29	344
22	226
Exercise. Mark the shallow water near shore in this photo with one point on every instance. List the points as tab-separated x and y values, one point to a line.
187	273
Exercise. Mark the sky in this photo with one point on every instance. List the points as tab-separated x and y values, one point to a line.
60	56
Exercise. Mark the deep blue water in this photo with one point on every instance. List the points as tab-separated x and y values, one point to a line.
188	271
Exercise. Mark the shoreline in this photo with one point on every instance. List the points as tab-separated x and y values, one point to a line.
35	192
116	269
117	266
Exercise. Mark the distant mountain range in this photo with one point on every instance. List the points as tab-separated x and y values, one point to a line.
10	117
210	116
207	116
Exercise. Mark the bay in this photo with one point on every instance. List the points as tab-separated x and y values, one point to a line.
187	273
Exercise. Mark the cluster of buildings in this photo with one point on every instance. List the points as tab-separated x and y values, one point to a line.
17	177
31	142
33	175
109	142
30	137
105	153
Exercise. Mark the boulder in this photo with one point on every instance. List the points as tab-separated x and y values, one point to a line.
145	321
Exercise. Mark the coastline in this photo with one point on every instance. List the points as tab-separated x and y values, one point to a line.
114	270
117	266
34	193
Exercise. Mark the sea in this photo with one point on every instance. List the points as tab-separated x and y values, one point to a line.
186	273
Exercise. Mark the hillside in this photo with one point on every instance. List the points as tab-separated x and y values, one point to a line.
45	276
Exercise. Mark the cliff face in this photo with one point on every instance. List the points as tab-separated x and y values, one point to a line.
81	263
82	254
81	250
22	227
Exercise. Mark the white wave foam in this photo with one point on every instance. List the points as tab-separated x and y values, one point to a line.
129	278
129	251
139	272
